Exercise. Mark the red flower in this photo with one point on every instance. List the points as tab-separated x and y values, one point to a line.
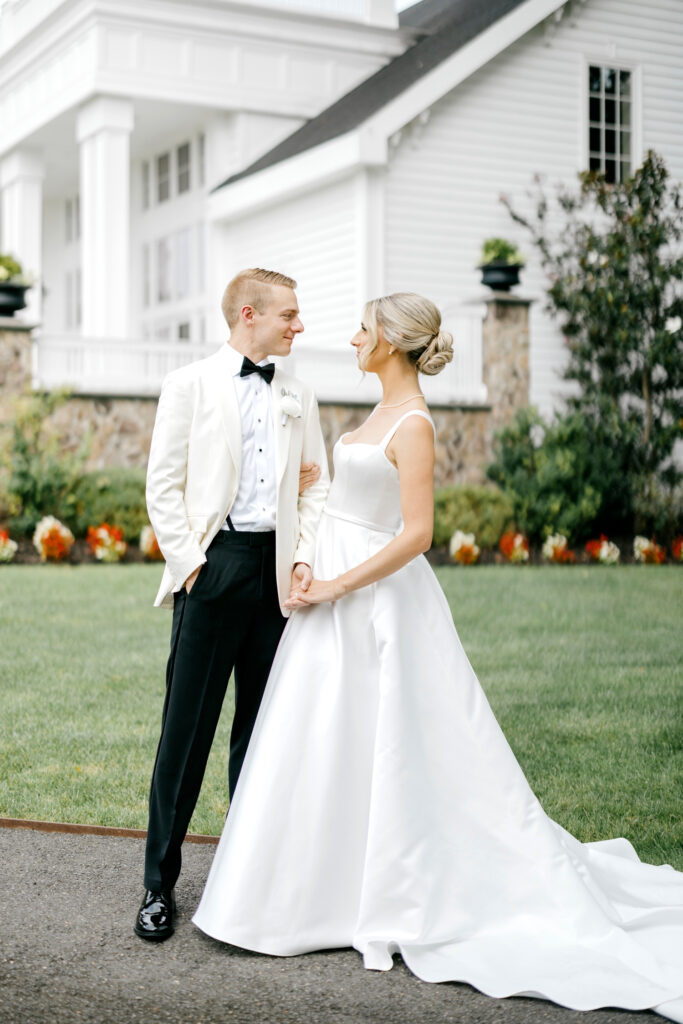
55	547
514	546
593	547
677	549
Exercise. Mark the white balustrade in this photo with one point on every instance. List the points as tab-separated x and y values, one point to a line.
136	367
109	366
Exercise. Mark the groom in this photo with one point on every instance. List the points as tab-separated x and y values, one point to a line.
230	435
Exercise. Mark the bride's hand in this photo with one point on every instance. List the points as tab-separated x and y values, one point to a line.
318	592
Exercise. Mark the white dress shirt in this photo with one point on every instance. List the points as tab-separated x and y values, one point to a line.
254	507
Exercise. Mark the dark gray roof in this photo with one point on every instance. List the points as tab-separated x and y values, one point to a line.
444	26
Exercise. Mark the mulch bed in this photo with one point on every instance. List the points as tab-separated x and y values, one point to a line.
80	554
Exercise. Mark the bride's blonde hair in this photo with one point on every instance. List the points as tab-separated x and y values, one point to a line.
411	324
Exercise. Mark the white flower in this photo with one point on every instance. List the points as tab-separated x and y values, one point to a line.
461	540
44	527
609	553
673	324
291	406
640	546
8	547
520	552
4	273
554	543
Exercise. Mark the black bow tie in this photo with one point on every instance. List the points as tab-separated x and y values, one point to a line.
266	371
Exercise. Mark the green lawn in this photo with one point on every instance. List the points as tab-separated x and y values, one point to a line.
581	665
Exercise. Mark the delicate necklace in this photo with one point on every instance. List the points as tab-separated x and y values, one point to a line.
395	405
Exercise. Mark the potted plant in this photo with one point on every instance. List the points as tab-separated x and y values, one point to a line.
14	284
501	262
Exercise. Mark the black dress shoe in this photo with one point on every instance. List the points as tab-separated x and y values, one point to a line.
155	916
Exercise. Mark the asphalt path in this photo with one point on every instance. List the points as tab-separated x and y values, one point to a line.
68	954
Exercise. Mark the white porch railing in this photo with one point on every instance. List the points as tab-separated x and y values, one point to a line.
109	366
136	367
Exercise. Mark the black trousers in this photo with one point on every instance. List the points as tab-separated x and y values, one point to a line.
230	619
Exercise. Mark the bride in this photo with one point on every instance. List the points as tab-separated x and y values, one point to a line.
380	805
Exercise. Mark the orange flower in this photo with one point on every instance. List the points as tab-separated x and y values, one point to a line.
514	546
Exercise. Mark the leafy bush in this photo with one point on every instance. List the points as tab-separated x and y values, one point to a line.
482	510
115	496
37	476
613	256
564	477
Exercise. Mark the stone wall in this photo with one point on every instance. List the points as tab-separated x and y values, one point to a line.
121	428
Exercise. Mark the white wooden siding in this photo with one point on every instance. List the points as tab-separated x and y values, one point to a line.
523	113
313	239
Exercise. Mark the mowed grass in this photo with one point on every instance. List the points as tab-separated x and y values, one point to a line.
581	666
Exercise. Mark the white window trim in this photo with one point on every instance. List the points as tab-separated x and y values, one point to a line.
635	70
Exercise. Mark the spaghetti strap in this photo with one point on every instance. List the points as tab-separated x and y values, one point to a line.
392	430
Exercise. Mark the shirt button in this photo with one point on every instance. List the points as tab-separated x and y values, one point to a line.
261	479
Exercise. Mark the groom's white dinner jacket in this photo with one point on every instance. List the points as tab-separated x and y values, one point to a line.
195	463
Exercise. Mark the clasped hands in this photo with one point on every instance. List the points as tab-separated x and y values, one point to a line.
305	590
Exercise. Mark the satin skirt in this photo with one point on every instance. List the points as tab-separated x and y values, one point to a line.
381	807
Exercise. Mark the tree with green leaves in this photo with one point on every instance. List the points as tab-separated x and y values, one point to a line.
615	264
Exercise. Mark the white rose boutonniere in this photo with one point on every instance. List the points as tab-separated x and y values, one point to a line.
291	406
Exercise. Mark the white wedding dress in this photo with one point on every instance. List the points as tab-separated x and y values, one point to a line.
381	807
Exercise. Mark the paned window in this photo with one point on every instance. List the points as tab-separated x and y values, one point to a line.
77	297
68	300
200	258
184	331
184	168
610	122
145	186
146	276
72	219
182	263
201	159
163	254
163	163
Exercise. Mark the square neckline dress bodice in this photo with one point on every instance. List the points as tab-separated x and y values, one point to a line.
381	807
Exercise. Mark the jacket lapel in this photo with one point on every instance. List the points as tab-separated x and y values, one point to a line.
226	398
283	431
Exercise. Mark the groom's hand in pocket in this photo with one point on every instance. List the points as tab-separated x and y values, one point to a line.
301	578
191	579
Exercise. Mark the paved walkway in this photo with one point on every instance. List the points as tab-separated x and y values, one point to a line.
68	954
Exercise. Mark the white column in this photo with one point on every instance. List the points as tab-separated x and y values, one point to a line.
103	132
21	182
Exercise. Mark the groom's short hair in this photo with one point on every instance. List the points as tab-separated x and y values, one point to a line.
251	288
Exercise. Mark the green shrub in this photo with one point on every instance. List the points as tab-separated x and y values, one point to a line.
115	495
482	510
563	477
37	476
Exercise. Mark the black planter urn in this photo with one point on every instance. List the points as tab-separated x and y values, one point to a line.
12	297
499	275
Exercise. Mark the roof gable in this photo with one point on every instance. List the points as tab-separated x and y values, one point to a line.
447	26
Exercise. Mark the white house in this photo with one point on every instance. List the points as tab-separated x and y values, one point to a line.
150	151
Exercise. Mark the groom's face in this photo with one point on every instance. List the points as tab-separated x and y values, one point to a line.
276	327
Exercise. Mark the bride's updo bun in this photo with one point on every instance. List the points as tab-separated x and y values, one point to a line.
438	354
411	324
